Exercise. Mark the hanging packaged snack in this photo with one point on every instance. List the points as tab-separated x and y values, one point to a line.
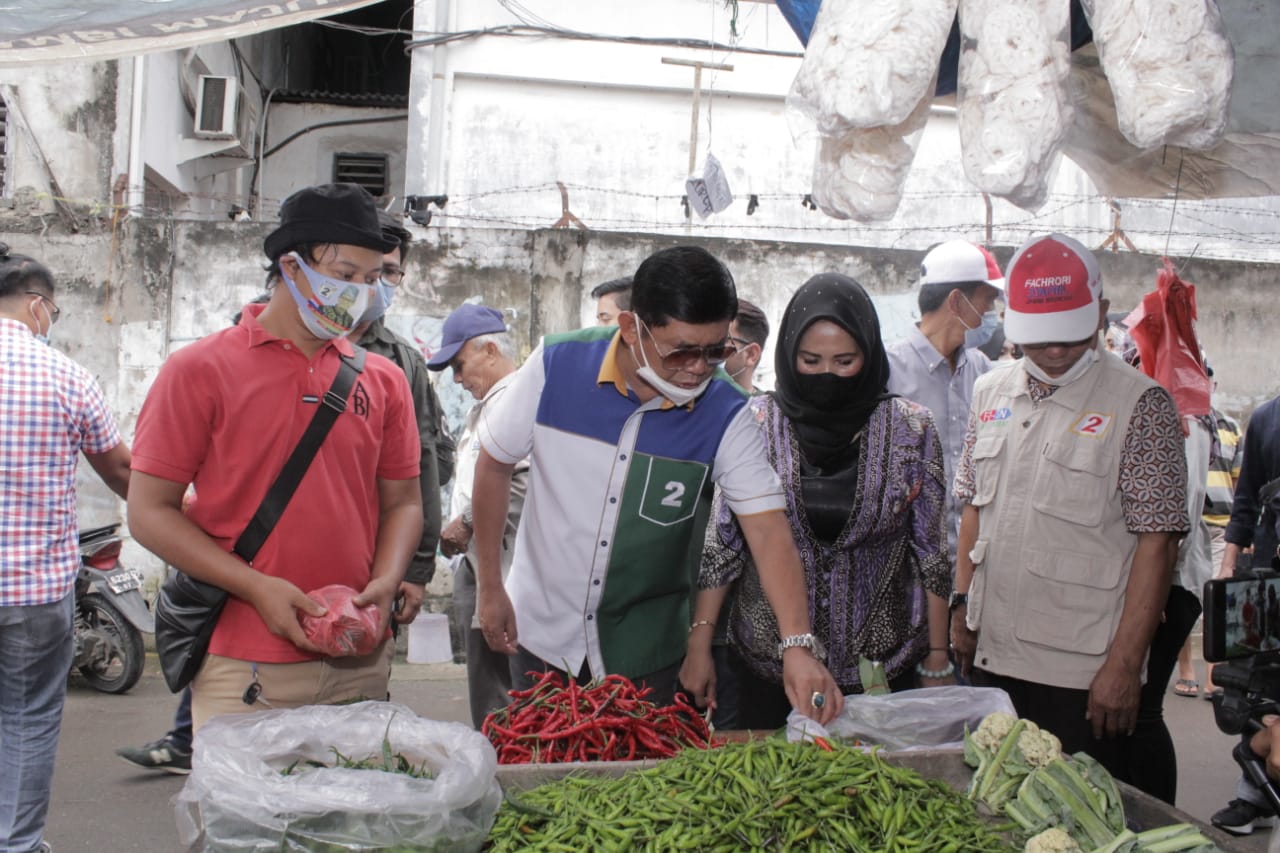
1014	105
860	174
1170	68
869	63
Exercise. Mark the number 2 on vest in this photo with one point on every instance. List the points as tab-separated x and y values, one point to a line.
675	494
1092	425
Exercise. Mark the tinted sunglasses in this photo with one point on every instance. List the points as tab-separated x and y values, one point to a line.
683	358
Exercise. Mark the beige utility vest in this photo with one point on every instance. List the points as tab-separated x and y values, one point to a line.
1052	555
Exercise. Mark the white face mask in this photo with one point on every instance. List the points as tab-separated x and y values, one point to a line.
981	333
1074	372
335	306
675	393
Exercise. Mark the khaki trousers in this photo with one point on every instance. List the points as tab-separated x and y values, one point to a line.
219	687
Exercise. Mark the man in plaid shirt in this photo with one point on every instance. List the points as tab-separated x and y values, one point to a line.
51	410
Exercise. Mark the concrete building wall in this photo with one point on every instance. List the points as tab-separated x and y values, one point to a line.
62	125
131	298
308	160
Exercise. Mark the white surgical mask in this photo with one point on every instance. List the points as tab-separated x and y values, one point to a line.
675	393
336	305
980	334
1074	372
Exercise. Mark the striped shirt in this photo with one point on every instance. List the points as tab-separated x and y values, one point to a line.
1225	457
51	410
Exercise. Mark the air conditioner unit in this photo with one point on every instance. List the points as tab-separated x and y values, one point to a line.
216	107
225	127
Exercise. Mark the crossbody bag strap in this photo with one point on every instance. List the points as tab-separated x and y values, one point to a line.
286	483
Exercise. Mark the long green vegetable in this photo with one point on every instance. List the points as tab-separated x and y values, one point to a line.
760	795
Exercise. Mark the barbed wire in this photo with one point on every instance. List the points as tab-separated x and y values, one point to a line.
1246	231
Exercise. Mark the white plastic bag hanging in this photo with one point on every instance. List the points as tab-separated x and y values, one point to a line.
1170	68
870	62
238	798
1014	105
710	193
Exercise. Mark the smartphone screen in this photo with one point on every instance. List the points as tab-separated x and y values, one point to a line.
1241	617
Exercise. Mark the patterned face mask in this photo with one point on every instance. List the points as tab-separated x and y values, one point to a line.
335	307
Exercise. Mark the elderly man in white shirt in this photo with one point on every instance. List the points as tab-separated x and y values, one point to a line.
478	348
937	363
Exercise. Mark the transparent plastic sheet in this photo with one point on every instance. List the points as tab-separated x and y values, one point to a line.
869	63
860	174
1170	66
928	718
1013	100
1243	165
344	629
236	797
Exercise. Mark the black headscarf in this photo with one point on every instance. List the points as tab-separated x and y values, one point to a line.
825	432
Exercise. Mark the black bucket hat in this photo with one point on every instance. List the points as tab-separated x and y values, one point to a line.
344	214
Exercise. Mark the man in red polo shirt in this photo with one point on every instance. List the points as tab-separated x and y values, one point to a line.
226	412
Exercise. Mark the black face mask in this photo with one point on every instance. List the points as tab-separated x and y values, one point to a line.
826	391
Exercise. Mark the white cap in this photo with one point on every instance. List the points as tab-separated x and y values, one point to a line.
959	262
1053	291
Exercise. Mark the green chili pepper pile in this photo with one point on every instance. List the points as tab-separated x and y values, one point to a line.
761	795
609	720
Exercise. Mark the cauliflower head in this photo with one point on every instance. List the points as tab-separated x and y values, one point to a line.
1038	747
1052	840
992	731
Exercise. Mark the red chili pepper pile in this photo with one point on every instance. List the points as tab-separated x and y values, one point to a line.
609	720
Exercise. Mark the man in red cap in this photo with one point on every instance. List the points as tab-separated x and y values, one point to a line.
1073	482
227	411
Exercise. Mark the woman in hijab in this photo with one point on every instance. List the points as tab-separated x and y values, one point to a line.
863	475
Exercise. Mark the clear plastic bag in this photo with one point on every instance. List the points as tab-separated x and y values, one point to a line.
1170	67
928	718
868	63
1013	102
860	174
238	798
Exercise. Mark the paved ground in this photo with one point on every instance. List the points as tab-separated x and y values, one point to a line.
103	804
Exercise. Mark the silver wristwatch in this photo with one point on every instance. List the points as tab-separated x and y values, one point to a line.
803	641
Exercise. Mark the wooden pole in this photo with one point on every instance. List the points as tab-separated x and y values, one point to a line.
697	66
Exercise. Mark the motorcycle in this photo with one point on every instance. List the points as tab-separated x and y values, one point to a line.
111	614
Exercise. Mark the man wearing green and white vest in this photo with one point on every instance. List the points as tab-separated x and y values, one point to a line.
628	429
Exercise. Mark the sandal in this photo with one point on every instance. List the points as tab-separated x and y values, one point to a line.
1186	687
1209	694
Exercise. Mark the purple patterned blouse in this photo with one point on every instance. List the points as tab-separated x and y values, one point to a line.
867	588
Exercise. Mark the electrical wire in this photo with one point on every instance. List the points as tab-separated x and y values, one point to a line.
526	31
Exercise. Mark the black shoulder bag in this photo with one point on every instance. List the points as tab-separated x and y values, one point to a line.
187	610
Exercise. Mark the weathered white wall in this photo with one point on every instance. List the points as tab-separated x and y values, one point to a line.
308	160
163	283
70	111
515	115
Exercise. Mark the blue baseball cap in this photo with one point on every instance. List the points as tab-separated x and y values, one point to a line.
466	322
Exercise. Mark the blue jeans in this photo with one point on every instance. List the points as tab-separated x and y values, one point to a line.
36	648
180	735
